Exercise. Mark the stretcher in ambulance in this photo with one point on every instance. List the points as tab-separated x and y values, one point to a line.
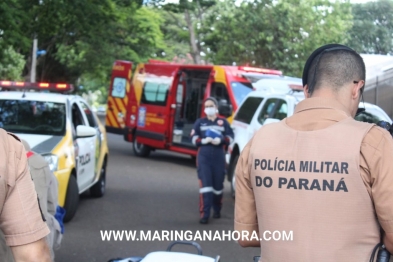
155	105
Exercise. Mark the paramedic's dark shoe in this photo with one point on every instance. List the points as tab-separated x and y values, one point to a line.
203	220
216	215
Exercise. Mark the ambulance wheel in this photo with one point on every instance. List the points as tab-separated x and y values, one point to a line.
141	149
72	199
98	189
233	176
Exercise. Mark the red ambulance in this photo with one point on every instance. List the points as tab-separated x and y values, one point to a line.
155	105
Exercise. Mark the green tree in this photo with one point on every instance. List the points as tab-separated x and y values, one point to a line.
82	38
176	37
189	17
275	34
372	31
11	64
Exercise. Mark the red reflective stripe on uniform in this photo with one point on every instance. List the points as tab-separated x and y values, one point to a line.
196	159
29	154
201	201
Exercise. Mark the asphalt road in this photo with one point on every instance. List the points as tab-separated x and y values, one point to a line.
155	193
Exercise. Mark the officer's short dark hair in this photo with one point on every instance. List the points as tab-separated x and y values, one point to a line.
335	69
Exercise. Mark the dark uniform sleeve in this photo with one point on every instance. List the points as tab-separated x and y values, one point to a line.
196	135
228	133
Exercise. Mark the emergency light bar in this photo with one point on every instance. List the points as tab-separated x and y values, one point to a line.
296	87
260	70
56	87
154	61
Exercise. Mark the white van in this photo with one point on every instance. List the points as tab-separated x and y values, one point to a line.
265	106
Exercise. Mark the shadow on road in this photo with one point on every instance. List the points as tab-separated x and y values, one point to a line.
169	157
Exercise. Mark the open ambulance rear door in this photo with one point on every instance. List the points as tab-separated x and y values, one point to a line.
118	96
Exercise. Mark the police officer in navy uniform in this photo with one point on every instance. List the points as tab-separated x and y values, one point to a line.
211	134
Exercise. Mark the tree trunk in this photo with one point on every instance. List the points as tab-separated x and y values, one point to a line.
195	52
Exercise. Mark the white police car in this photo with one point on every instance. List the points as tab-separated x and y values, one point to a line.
63	129
267	105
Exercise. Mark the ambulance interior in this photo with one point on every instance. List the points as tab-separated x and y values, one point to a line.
189	104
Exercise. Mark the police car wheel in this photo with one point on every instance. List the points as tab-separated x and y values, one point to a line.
98	189
72	199
140	149
232	175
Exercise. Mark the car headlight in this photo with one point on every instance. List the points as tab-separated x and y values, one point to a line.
53	161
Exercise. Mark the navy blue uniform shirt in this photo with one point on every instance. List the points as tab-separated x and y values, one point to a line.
219	124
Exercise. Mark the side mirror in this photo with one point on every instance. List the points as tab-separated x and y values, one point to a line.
85	131
224	108
270	120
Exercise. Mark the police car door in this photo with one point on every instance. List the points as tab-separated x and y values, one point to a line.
91	120
86	149
273	108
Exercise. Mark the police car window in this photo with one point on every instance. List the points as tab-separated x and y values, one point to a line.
247	109
119	87
33	117
282	111
89	114
155	93
267	110
77	118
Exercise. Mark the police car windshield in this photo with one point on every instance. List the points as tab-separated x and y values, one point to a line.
33	117
241	90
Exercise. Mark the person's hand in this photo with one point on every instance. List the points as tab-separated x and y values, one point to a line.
206	140
216	141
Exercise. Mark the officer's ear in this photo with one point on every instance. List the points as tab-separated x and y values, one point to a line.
357	89
305	91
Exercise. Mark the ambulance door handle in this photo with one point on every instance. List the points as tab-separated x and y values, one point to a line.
160	115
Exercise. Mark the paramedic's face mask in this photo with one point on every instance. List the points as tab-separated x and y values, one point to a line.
210	108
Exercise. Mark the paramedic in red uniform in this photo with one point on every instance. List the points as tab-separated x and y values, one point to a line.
211	135
319	173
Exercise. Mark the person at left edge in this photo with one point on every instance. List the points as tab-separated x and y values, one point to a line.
211	135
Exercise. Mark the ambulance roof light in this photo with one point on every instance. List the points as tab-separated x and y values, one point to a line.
260	70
